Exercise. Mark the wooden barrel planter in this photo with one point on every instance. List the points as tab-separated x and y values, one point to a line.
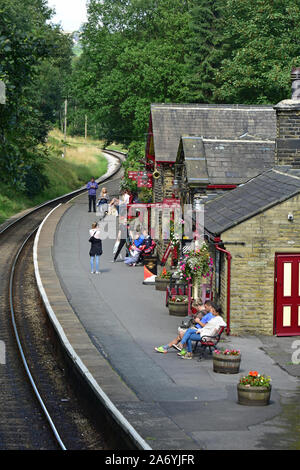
161	283
253	396
226	364
179	309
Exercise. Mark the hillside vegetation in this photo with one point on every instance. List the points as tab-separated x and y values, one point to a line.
83	159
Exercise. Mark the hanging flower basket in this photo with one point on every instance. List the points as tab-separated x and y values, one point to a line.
178	305
226	361
254	389
196	266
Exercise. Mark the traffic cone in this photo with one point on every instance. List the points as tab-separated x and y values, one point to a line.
149	277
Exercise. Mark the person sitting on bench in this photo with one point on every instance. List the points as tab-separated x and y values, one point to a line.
210	329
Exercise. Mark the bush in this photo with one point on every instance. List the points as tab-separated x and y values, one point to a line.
35	180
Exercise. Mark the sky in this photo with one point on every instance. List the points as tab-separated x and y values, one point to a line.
69	13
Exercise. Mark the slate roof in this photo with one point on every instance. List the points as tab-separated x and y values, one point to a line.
224	161
257	195
217	122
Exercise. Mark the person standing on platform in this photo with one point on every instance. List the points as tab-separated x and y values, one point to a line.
96	247
122	238
103	202
92	187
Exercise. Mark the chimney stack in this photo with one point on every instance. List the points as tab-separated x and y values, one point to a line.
288	125
295	77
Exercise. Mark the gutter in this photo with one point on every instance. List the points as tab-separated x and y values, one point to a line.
217	241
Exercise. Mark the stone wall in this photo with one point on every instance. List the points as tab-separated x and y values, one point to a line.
288	134
252	265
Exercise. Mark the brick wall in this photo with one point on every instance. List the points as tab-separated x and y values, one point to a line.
252	273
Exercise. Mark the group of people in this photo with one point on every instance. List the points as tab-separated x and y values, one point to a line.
135	240
207	322
104	204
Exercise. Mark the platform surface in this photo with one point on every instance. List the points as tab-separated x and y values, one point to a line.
172	403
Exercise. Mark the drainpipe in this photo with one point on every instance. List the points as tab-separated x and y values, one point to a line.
217	240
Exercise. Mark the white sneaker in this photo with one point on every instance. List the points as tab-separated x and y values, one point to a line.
97	272
92	272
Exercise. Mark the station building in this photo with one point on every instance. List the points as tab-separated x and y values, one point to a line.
243	163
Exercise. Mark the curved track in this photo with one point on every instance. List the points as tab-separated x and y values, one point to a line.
26	422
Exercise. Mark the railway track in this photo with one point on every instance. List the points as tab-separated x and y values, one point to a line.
38	403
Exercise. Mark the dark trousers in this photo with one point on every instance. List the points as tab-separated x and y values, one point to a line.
121	244
92	199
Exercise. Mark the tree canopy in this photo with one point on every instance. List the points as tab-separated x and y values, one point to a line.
134	53
34	56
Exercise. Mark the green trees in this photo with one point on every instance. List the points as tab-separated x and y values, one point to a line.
204	39
141	51
33	53
134	53
256	51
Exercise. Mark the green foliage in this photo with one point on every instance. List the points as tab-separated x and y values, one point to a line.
138	52
204	33
133	162
254	379
133	54
34	56
56	176
257	50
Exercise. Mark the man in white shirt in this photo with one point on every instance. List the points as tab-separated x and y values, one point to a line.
210	329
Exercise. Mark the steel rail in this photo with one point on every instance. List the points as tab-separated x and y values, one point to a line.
67	196
120	419
25	363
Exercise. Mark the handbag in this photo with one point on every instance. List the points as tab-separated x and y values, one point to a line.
92	238
187	322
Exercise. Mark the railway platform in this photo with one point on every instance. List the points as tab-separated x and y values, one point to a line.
110	324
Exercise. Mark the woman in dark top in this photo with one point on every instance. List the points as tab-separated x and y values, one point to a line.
96	247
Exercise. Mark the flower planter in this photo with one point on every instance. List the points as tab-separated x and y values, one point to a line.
179	309
226	364
161	284
253	396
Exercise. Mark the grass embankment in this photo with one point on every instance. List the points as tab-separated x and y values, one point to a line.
83	159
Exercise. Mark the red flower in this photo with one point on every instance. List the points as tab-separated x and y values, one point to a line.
253	373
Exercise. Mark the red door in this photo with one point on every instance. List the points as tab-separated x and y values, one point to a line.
287	294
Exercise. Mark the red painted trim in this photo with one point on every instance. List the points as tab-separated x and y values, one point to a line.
280	300
221	186
275	296
150	134
228	257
